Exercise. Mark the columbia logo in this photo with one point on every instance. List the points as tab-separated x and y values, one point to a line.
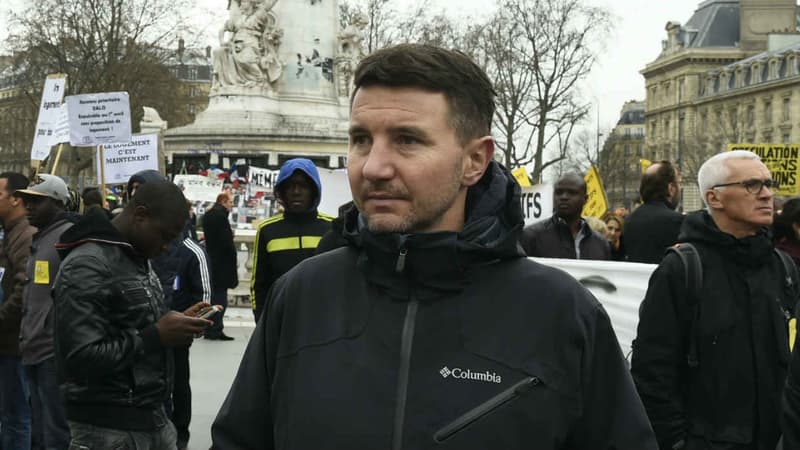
445	372
467	374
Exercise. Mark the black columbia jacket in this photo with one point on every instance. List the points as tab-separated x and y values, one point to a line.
107	298
443	340
732	397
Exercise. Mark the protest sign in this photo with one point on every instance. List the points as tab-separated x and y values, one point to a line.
596	205
782	162
521	175
537	202
198	188
99	119
261	180
124	160
52	96
335	190
61	126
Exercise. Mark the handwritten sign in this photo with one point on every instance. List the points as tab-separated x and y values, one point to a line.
99	119
782	162
197	188
52	96
61	129
262	180
124	160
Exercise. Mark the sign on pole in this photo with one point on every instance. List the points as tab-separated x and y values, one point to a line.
52	96
782	162
61	128
99	119
124	160
537	202
198	188
596	205
521	175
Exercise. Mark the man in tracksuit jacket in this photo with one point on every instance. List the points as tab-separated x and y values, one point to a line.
430	329
284	240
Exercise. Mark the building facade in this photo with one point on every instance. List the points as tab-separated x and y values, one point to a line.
722	78
621	155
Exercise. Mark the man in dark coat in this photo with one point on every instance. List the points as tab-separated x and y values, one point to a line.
566	234
710	362
655	224
222	254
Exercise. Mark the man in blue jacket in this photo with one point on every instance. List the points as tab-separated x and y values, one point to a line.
284	240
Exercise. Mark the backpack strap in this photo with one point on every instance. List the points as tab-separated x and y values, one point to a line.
693	276
791	283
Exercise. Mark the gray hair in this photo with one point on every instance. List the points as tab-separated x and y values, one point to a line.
716	171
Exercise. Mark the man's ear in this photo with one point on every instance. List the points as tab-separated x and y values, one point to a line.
713	199
477	156
141	213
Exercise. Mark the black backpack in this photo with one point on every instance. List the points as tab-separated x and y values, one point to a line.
693	271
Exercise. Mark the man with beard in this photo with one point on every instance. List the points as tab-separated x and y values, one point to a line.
430	329
710	356
283	241
654	226
45	201
566	234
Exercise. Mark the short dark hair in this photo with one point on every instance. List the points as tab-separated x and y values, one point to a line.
163	200
782	225
466	86
91	196
655	185
15	181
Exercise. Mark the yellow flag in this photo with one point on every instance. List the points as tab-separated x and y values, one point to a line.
596	205
521	175
645	163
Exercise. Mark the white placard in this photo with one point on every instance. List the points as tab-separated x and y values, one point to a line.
52	96
197	188
537	202
261	180
61	129
99	119
335	190
124	160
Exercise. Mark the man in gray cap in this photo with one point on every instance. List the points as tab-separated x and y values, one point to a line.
44	201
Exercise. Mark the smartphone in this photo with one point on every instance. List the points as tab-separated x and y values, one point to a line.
209	311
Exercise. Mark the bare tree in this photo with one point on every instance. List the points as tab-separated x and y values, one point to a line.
382	20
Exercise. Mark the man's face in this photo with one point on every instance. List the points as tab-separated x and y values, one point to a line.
42	211
569	196
745	211
297	193
406	164
152	236
675	191
8	203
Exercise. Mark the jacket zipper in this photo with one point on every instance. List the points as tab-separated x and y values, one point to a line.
485	408
406	341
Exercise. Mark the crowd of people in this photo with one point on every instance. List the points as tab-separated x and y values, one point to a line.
414	319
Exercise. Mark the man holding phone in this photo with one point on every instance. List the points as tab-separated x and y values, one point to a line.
114	332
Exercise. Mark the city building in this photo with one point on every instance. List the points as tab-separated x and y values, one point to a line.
621	155
727	76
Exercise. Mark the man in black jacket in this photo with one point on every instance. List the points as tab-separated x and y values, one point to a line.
710	363
430	329
654	226
566	234
222	254
113	330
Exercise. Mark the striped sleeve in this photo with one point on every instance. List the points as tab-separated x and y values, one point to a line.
202	265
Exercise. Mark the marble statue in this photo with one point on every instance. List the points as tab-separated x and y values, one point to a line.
350	51
249	41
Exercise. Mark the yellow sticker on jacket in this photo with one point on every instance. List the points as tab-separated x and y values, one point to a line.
792	333
41	272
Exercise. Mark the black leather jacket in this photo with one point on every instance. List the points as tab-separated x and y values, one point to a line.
115	371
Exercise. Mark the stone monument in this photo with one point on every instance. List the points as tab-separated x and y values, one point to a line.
280	88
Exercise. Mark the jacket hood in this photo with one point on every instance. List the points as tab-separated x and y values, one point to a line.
94	226
436	263
307	167
752	251
145	176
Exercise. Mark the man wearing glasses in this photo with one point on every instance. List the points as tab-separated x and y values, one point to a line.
709	362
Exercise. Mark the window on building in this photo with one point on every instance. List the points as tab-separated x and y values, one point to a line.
787	109
681	89
703	122
639	151
193	91
192	109
667	130
751	116
626	151
767	111
767	137
732	119
787	138
192	73
653	129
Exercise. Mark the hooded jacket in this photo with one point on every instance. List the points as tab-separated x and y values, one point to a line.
115	371
733	395
284	240
442	340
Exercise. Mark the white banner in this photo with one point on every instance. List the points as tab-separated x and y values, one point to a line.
124	160
261	180
99	119
52	96
61	129
537	202
197	188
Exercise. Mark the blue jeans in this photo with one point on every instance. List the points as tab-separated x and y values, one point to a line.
90	437
15	412
50	427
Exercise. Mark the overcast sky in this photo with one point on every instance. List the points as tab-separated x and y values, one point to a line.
636	40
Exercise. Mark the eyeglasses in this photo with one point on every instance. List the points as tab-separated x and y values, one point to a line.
753	186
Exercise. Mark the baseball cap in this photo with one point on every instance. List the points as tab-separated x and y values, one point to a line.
47	186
